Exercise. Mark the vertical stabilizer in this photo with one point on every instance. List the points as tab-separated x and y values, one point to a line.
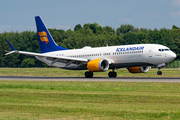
46	41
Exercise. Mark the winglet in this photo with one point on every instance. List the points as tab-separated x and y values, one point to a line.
13	49
10	52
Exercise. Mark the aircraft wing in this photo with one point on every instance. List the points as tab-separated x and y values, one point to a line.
67	60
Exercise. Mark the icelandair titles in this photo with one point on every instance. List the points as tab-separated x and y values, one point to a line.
129	49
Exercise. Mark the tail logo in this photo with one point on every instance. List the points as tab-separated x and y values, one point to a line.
43	37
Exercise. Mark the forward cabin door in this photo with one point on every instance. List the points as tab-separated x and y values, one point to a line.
150	53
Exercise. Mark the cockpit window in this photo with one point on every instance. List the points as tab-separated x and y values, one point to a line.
161	50
167	49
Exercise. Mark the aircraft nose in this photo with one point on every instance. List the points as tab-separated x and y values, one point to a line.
172	55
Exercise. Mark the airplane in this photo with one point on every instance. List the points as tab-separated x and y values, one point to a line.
137	58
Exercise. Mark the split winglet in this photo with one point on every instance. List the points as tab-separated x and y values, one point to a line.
13	49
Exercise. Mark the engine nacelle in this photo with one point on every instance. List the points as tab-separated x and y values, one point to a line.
98	65
142	69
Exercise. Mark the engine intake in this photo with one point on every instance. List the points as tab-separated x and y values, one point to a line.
142	69
98	65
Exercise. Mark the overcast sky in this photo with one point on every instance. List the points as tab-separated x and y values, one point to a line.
18	15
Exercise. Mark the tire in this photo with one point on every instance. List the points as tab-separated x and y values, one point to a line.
159	73
88	74
112	74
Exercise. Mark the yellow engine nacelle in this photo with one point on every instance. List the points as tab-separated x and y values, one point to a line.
142	69
98	65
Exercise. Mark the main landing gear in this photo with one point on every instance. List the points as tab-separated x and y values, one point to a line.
159	72
88	74
111	74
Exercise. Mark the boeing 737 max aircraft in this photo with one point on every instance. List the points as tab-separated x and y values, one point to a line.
136	58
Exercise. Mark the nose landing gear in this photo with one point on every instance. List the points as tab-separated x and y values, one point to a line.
161	66
159	72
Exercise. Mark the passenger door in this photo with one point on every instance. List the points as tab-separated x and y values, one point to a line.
150	52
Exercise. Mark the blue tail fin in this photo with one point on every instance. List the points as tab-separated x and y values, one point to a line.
46	41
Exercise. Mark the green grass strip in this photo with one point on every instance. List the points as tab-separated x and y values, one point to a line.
89	100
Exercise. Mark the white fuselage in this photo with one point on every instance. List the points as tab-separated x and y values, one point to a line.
118	56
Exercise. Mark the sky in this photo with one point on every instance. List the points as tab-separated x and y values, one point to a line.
18	15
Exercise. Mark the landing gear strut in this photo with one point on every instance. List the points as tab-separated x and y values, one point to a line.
112	74
88	74
159	72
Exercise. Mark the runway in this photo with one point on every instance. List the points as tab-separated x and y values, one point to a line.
94	79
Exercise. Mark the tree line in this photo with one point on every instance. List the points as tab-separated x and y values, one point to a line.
93	35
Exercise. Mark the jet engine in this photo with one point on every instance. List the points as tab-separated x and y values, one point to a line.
142	69
98	65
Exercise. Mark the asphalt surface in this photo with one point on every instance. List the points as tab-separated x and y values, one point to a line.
94	79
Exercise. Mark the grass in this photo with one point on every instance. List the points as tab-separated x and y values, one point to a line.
56	72
89	100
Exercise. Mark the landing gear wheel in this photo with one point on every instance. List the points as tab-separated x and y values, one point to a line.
88	74
112	74
159	73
